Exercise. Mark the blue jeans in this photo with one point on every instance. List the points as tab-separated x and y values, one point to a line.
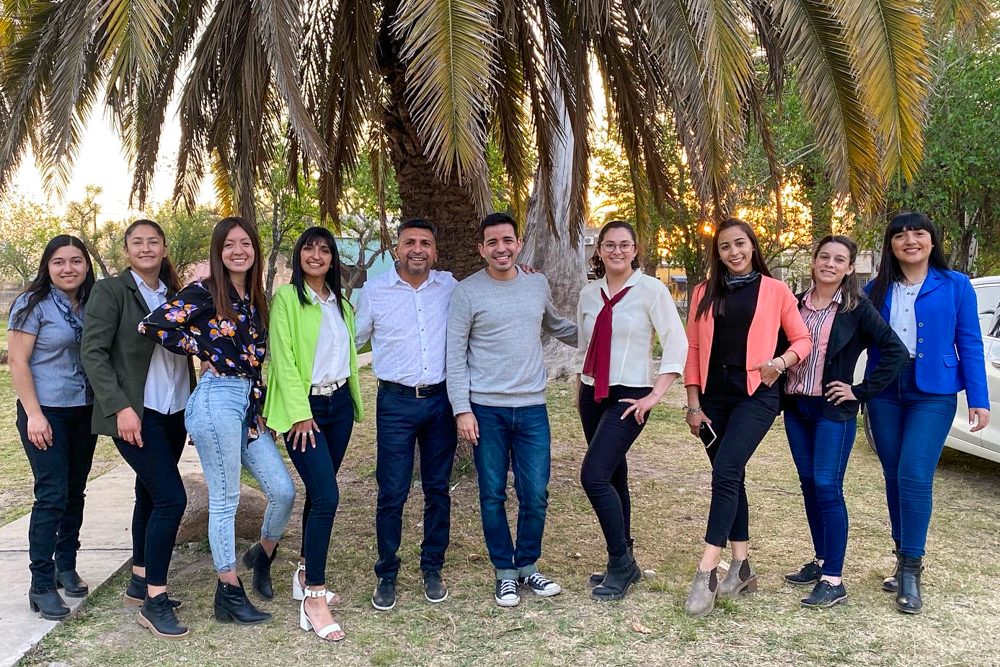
910	427
218	421
318	467
513	439
404	423
821	448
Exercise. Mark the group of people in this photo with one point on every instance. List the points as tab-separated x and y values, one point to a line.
115	357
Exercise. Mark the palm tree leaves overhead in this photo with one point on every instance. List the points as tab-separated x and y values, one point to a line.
449	46
312	74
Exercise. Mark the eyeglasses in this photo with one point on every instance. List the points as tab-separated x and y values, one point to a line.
624	246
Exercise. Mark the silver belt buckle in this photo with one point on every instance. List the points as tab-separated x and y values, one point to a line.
418	389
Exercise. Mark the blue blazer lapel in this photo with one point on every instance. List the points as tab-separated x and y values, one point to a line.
931	283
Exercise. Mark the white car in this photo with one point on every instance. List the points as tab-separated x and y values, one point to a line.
984	443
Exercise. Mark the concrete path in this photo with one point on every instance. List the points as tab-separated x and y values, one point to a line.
106	549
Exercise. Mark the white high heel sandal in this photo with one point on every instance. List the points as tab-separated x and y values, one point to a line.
299	593
307	625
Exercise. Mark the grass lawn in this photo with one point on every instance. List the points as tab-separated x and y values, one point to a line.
670	482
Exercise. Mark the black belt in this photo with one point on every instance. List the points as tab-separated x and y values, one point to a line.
420	391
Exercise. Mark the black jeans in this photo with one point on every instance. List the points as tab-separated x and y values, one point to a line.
740	422
604	473
402	423
318	467
60	474
159	492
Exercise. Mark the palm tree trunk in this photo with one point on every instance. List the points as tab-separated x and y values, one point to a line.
563	264
449	205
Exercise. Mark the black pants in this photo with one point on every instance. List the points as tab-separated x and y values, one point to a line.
604	473
403	422
159	492
318	467
60	473
740	422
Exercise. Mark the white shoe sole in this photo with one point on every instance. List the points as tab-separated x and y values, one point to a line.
383	608
549	593
507	603
426	597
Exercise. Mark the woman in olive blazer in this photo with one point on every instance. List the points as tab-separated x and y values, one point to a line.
140	392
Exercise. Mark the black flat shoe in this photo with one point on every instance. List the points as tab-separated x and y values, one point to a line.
233	606
71	582
826	595
258	560
157	614
135	594
48	604
384	597
807	575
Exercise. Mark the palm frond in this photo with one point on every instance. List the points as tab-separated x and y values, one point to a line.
817	46
755	106
151	105
136	31
380	162
277	24
26	70
449	47
894	73
510	118
69	95
221	184
580	107
971	20
762	15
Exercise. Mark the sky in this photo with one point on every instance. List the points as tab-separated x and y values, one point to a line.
101	162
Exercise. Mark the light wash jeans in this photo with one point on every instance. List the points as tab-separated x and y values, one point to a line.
217	420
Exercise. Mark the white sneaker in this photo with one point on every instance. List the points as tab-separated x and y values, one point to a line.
506	595
541	585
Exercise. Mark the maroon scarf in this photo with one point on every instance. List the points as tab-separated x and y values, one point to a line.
598	362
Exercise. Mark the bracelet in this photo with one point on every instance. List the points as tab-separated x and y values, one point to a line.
692	411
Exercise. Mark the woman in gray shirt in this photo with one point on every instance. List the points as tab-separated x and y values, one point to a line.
53	415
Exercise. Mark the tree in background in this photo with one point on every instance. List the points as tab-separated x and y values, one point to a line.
426	85
25	228
189	234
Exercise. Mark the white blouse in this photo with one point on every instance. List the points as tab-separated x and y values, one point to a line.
332	361
903	315
647	308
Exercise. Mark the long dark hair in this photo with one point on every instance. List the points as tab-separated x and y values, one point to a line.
218	281
595	260
41	286
850	288
715	283
889	270
167	274
332	278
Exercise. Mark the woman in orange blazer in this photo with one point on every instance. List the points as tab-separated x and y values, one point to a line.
733	326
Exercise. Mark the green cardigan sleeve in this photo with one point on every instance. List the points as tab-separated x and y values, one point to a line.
287	400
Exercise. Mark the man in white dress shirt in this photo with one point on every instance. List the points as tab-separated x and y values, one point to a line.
405	314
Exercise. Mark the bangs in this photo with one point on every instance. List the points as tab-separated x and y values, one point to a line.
314	234
908	222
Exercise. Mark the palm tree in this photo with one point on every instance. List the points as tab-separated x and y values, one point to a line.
425	84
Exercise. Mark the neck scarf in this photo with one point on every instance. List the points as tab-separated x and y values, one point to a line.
598	362
734	282
65	308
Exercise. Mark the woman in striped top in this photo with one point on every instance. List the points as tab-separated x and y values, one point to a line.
821	405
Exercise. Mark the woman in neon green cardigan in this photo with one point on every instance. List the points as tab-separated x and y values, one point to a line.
313	397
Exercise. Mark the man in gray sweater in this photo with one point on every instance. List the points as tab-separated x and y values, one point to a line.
496	384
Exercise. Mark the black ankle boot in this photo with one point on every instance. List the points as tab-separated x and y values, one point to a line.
257	558
233	605
71	582
891	583
48	604
622	573
157	614
597	577
135	594
908	598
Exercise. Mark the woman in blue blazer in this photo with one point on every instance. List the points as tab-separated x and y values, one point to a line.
933	310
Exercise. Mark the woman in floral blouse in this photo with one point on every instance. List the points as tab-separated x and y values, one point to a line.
222	320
